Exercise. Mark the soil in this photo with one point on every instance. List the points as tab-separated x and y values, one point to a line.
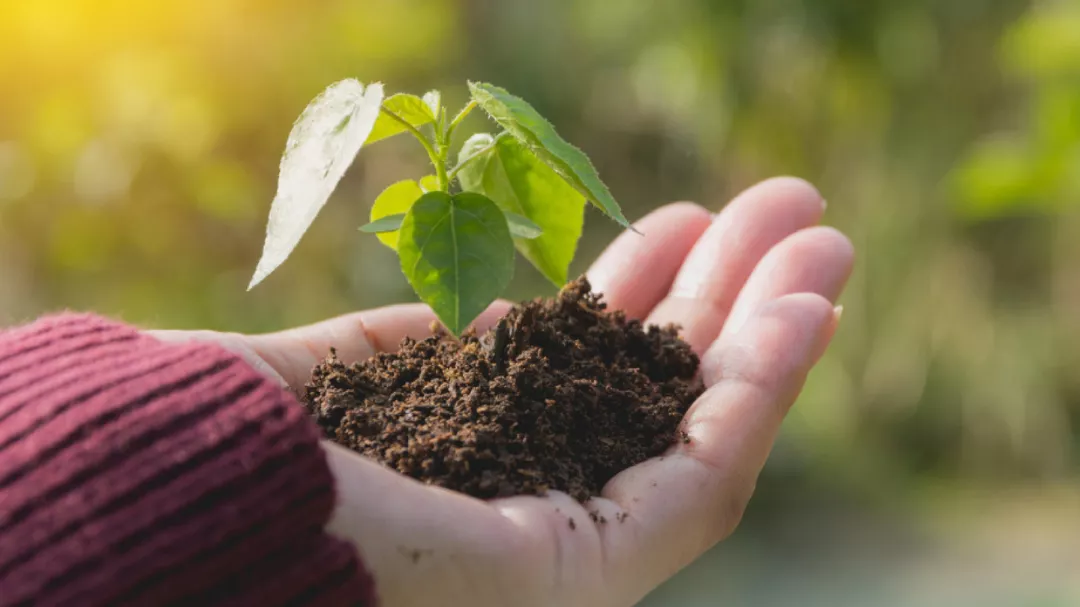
562	394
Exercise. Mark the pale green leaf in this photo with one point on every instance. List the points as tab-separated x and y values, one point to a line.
457	254
396	199
520	183
528	126
430	183
433	99
322	144
411	108
521	226
390	223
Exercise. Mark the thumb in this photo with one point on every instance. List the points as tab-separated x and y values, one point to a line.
753	376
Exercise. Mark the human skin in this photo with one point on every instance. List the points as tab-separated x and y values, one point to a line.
753	287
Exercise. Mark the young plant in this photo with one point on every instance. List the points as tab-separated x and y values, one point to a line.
523	187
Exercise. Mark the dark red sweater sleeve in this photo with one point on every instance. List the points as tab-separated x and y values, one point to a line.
134	472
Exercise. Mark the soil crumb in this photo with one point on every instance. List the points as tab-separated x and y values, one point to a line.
562	394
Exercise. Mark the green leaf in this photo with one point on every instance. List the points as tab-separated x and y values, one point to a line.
390	223
519	182
457	254
521	226
396	199
1006	175
411	108
322	144
1043	44
528	126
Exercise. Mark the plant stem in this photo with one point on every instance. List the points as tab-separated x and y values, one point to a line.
478	153
457	119
442	148
440	170
438	157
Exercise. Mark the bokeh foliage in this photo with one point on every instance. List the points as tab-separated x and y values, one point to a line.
139	144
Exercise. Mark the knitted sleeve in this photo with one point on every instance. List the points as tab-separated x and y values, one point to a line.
134	472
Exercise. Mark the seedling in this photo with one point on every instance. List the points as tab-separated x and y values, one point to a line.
455	231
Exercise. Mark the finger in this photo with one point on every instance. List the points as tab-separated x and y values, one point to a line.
814	260
636	270
760	370
682	504
706	286
355	337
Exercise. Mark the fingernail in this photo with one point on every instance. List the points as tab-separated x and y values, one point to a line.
837	312
824	204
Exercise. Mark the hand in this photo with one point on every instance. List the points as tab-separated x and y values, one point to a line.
753	288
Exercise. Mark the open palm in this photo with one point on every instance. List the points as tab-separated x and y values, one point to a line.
753	288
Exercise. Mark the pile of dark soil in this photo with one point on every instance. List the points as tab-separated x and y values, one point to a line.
562	394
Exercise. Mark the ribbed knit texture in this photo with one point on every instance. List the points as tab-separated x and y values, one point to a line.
134	472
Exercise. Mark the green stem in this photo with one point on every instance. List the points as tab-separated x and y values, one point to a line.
440	173
442	148
438	157
478	153
457	119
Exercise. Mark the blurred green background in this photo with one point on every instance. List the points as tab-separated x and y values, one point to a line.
932	459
